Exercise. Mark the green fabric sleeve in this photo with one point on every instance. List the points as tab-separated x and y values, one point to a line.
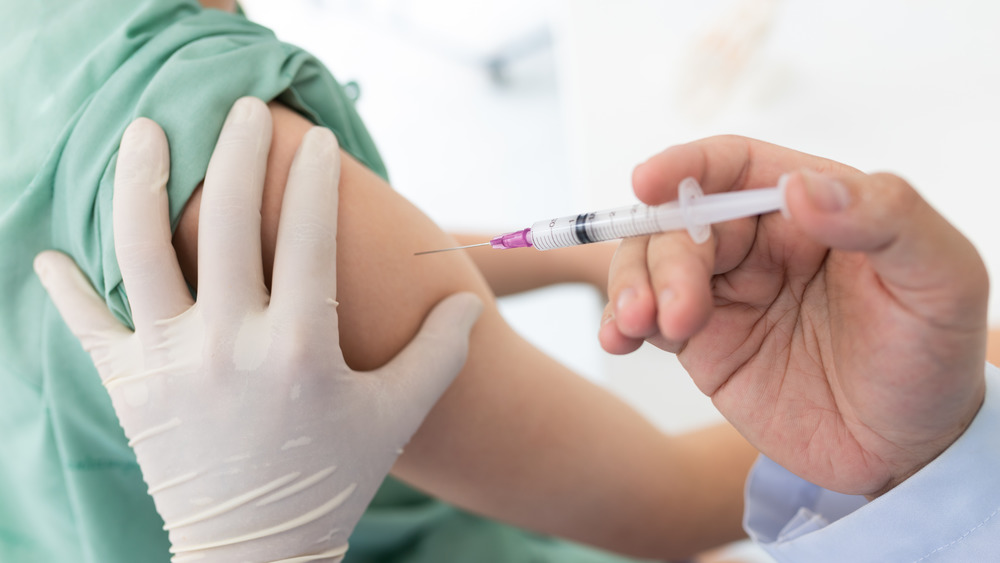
184	76
75	73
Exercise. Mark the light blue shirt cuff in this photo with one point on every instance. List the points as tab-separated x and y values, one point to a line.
948	511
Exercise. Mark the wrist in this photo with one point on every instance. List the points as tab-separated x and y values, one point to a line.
943	445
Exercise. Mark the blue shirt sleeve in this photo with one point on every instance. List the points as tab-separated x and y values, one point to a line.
949	511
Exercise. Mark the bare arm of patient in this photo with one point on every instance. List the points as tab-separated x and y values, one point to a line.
517	437
993	347
524	269
224	5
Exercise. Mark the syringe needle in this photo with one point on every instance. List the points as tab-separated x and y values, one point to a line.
450	249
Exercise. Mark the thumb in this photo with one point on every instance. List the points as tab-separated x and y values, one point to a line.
429	363
83	310
908	243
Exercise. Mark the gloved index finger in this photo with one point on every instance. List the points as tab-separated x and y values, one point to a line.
147	259
230	270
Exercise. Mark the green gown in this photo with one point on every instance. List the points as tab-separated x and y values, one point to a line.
73	75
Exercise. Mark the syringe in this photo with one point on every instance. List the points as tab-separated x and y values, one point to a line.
693	211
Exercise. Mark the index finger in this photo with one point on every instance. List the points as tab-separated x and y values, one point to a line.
722	163
146	256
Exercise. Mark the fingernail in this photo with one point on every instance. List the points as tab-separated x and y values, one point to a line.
826	193
783	189
667	296
608	317
624	298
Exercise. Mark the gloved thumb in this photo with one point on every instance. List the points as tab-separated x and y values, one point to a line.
426	367
83	310
908	243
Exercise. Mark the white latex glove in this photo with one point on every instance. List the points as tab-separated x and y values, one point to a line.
258	443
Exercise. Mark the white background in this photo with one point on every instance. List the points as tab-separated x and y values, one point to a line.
592	88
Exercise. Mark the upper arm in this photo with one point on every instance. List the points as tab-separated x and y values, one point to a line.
383	290
517	436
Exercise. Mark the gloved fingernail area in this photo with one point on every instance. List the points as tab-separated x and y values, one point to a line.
319	143
136	138
243	111
41	265
142	156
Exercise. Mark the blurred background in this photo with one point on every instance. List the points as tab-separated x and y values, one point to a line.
494	114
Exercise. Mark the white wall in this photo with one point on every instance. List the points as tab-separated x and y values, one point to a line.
908	86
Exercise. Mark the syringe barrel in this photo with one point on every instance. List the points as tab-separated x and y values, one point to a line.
693	212
621	222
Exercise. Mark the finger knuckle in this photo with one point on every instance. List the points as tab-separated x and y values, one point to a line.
143	255
297	348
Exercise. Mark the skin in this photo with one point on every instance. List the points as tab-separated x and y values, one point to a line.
519	270
993	347
846	342
515	426
224	5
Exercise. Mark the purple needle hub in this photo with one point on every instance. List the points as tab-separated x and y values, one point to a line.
517	239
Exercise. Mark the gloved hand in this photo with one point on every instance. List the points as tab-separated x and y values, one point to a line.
257	441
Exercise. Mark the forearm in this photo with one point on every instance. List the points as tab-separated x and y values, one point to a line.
554	453
517	436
